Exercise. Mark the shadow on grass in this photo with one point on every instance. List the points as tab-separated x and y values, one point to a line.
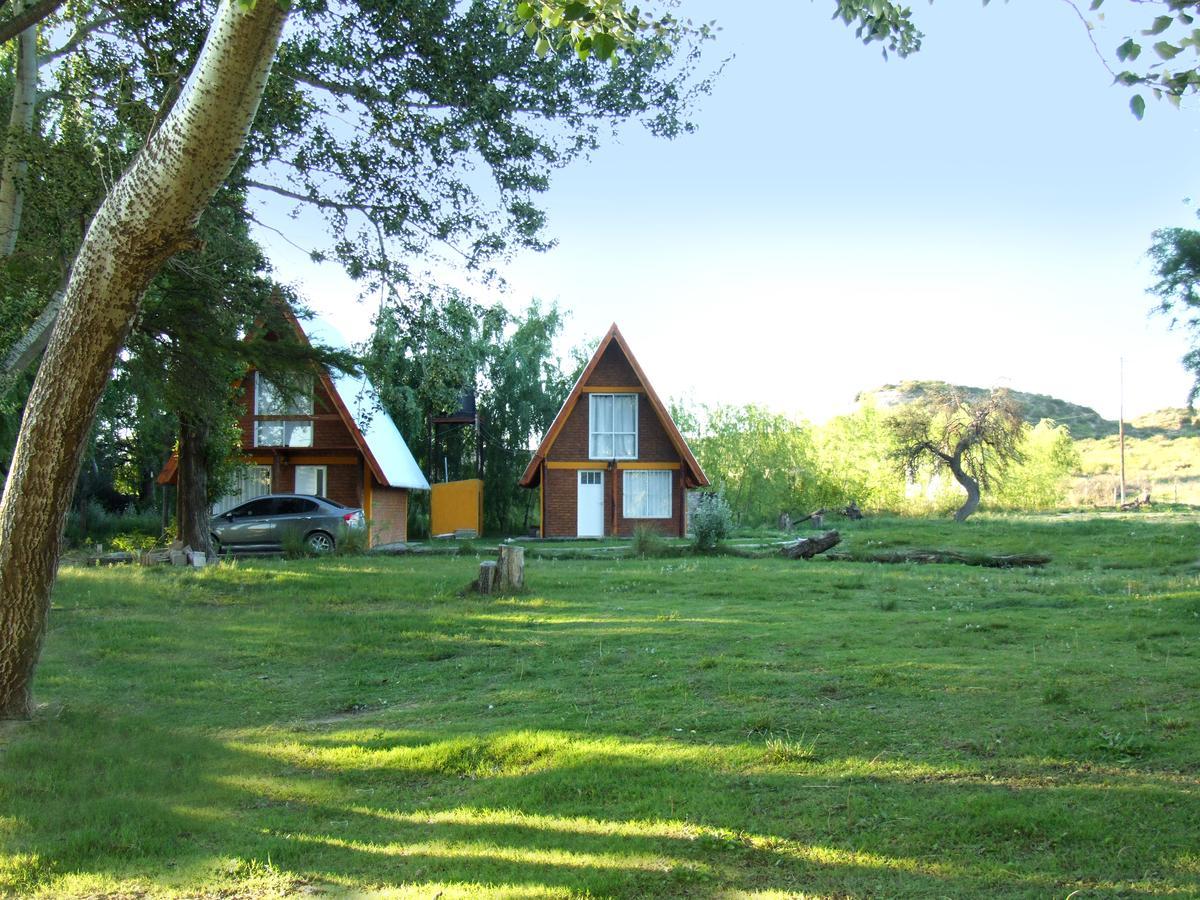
227	733
92	798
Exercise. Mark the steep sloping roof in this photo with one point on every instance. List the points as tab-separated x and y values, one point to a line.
373	429
357	403
693	474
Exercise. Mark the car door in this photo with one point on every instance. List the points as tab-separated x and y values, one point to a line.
250	524
293	515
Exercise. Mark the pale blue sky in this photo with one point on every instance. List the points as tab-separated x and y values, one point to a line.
977	213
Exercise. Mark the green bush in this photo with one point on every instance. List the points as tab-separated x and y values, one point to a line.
353	541
712	521
648	543
294	546
93	524
133	543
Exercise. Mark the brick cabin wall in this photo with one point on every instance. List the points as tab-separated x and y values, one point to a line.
332	441
334	447
654	445
389	514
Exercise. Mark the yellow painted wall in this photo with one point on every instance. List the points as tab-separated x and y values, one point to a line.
457	504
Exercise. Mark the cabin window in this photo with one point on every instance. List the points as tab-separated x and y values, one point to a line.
311	480
613	426
250	482
647	494
273	406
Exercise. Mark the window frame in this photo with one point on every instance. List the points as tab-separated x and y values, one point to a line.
322	473
304	413
612	433
627	493
254	478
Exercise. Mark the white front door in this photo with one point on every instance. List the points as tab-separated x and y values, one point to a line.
590	520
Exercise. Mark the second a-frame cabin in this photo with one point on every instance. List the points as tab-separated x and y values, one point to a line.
332	440
613	458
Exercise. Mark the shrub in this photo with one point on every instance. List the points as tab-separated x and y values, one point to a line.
711	522
133	543
648	543
353	541
93	524
294	546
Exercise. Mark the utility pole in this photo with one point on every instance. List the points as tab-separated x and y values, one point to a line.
1121	430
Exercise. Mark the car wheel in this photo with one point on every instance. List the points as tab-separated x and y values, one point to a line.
216	545
319	542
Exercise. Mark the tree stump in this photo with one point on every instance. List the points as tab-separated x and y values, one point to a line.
511	567
807	548
487	576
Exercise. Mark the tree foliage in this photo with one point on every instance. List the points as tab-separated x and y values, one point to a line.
1041	478
1175	253
854	453
1171	33
763	463
432	351
976	441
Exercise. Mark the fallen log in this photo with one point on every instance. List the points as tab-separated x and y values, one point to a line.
802	519
807	548
1009	561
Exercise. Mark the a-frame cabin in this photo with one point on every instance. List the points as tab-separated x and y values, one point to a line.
613	459
332	441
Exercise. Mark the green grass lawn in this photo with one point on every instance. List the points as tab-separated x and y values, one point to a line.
659	727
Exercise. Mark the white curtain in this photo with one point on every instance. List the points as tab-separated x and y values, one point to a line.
613	426
647	495
252	481
310	480
601	426
269	401
625	426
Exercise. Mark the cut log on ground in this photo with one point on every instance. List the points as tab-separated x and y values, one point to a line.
807	548
487	576
1012	561
511	567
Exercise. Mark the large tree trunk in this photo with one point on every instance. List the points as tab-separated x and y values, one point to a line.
969	484
194	517
149	216
15	168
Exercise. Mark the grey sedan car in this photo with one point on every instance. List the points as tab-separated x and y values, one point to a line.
262	523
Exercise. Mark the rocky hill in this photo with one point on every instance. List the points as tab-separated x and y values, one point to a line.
1083	421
